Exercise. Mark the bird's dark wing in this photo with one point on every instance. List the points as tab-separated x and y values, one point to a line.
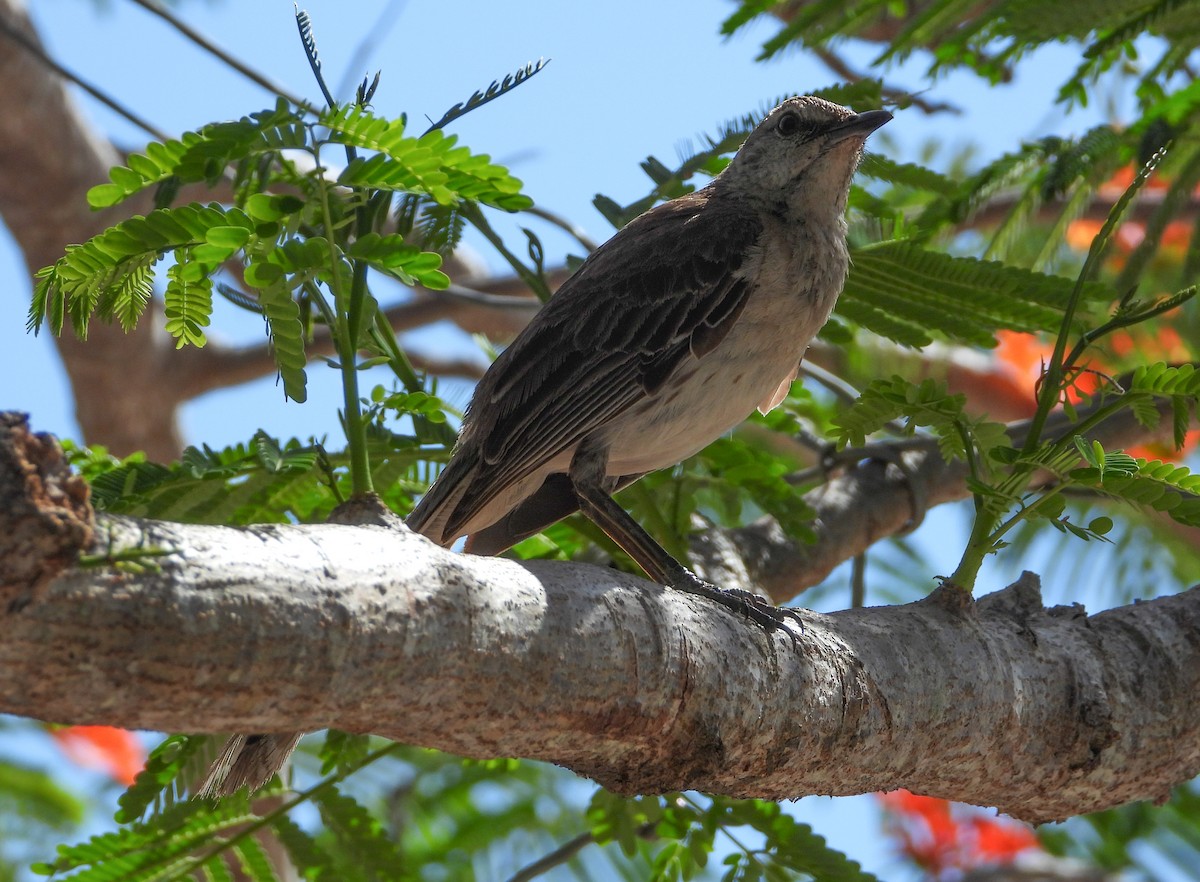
548	505
664	289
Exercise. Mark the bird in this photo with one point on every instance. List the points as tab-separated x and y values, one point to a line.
668	336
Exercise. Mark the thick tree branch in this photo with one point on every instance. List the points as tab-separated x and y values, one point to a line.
42	201
1045	713
873	500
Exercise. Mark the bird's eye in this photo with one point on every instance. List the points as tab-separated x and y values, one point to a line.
789	125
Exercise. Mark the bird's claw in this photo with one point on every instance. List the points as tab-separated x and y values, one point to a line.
753	606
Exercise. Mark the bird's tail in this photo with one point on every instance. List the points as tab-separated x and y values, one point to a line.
433	514
247	761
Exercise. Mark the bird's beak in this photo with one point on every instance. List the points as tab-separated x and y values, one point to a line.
858	126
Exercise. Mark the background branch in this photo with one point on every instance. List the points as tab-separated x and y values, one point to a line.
871	501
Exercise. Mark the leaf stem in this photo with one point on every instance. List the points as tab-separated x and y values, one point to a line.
1023	512
472	212
1055	370
347	309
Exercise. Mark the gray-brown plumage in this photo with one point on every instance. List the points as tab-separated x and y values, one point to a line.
668	336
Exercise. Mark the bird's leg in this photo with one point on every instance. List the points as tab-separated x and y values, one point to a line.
592	487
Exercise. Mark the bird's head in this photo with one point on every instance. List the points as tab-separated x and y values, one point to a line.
800	159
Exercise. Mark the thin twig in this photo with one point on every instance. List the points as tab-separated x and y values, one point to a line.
844	391
836	64
559	856
884	450
573	230
111	103
470	296
153	6
858	581
566	851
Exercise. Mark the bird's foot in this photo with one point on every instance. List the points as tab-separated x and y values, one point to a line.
753	606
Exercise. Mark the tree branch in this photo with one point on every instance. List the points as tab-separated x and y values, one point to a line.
871	501
1044	713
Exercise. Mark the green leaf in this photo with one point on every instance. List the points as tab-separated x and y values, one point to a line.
494	91
908	293
187	306
616	819
886	400
162	779
313	861
109	274
265	207
392	255
203	155
1164	379
342	750
360	833
146	851
1163	486
231	238
791	844
431	164
37	796
905	174
287	338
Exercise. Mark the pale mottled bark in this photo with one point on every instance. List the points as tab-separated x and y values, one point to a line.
1044	713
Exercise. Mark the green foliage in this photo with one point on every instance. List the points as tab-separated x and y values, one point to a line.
304	254
35	797
366	850
306	242
164	849
109	274
430	164
989	39
736	471
343	750
265	481
959	435
491	93
1141	837
167	776
681	833
1163	486
205	155
909	294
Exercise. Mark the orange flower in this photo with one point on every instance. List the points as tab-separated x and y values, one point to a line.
1023	358
939	836
997	842
928	835
1081	232
1177	236
115	751
1165	450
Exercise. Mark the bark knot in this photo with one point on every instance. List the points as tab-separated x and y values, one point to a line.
46	518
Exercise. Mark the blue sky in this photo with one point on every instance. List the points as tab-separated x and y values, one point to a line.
627	79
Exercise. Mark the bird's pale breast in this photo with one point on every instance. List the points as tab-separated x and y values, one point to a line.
709	396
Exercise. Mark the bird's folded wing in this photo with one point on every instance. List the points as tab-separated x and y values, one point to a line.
610	337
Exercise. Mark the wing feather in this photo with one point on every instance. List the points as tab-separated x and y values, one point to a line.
665	289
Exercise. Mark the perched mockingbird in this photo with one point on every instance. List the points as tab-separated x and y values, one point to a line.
668	336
